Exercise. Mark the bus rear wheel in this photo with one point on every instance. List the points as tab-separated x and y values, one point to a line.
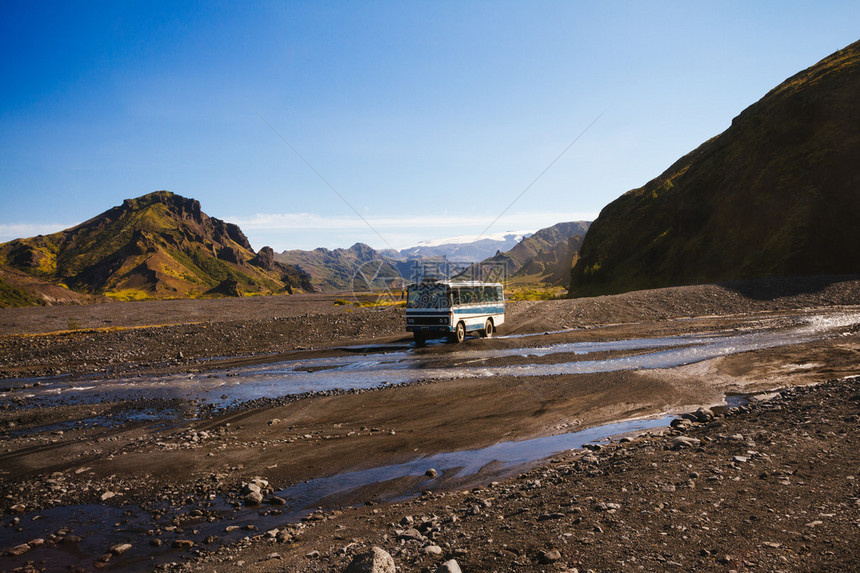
459	334
488	329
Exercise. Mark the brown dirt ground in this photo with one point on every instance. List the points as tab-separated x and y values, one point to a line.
292	440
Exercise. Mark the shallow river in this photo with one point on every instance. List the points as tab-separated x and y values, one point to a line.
398	365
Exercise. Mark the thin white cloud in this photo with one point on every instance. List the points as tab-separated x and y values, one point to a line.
310	221
11	231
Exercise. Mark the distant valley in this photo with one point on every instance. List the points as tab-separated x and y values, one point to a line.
541	258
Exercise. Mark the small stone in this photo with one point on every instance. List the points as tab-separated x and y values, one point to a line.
120	548
376	560
410	534
253	498
183	544
251	488
547	557
450	566
433	550
681	442
703	415
107	495
431	473
18	550
313	554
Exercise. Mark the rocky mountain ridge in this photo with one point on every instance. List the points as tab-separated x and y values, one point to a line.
160	245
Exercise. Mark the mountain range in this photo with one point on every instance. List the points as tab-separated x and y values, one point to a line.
160	245
543	257
776	194
463	249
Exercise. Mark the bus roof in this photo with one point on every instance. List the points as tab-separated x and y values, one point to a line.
458	283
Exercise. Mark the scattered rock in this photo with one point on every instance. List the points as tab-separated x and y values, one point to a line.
18	550
703	415
120	548
376	560
253	498
450	566
547	557
680	442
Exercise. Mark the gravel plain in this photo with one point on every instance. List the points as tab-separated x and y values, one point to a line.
765	486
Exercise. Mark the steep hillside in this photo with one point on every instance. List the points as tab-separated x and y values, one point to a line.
776	194
546	256
160	245
20	289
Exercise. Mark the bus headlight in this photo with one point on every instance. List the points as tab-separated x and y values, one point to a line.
410	321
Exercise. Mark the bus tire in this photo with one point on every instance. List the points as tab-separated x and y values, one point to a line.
488	329
420	339
459	334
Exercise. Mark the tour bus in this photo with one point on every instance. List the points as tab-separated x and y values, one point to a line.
436	308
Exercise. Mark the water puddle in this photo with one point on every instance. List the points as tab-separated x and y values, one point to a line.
100	527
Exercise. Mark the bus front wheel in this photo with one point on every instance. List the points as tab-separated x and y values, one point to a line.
420	339
459	334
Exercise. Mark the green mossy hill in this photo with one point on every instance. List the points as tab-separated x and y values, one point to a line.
776	194
13	296
160	245
336	270
544	258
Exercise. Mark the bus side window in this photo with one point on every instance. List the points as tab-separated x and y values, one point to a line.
466	295
499	297
455	296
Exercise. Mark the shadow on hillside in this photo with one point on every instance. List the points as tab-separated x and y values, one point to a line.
772	288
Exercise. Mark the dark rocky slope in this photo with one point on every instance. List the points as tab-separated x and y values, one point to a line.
776	194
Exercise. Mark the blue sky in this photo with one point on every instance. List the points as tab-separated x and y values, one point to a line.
427	118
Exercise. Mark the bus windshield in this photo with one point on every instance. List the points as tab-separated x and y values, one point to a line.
428	296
